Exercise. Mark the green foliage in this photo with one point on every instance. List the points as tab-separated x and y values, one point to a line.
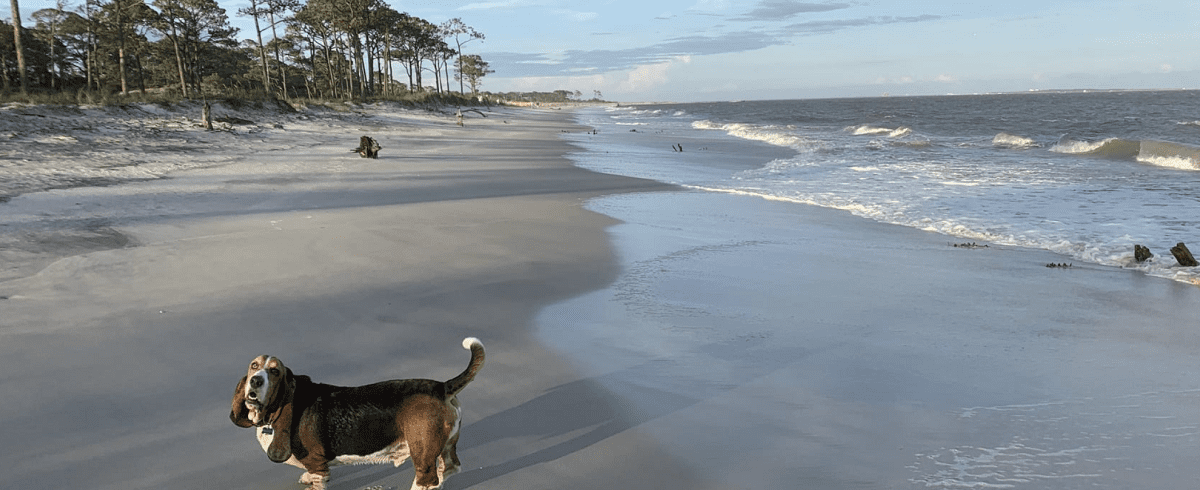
168	51
472	69
555	97
322	49
234	97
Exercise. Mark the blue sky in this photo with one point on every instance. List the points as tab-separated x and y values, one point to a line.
691	50
699	50
769	49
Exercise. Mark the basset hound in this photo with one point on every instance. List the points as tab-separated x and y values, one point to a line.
315	426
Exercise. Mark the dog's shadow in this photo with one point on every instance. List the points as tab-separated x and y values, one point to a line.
566	408
604	406
608	405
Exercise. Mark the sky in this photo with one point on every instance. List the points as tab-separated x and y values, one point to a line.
717	50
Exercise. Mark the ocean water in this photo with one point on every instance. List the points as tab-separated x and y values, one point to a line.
1084	174
783	339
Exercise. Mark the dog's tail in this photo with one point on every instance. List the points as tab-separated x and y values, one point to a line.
459	382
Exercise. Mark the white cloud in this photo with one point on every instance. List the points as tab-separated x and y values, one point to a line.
710	5
646	77
509	4
945	78
640	79
577	16
886	80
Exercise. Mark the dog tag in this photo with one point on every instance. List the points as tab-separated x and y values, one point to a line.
267	430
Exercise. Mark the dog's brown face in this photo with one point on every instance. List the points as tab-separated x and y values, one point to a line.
259	390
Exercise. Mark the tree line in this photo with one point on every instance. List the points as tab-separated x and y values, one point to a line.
321	49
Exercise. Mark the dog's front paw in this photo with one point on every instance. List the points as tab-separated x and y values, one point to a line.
313	479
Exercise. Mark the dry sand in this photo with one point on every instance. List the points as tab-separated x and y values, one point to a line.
118	364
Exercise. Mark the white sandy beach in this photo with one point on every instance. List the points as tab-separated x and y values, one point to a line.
119	363
638	336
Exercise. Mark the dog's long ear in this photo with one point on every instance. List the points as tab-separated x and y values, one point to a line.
238	413
281	421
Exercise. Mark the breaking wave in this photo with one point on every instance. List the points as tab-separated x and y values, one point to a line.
1159	153
765	134
868	130
1166	154
1005	140
1109	148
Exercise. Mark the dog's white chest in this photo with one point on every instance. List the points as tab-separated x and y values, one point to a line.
265	436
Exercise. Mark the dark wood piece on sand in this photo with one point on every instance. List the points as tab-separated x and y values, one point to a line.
367	147
1141	253
1183	255
206	116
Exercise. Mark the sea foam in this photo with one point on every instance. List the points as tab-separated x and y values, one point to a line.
1005	140
868	130
974	169
765	134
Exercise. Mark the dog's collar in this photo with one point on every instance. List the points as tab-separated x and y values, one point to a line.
266	429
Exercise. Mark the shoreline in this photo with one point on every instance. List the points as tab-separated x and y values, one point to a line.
966	180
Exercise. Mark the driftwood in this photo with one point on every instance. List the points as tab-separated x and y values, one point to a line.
230	120
367	147
1183	255
1141	253
459	114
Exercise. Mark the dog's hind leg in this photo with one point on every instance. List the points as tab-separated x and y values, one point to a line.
448	463
425	462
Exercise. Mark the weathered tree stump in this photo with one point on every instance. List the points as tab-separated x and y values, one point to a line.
1183	255
206	116
1141	253
367	147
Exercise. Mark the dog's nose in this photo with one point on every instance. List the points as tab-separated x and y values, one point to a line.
256	382
253	395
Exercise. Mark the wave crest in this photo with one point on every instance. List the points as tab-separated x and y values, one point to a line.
1159	153
764	134
1167	154
1109	148
868	130
1005	140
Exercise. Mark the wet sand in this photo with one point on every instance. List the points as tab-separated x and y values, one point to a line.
774	345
